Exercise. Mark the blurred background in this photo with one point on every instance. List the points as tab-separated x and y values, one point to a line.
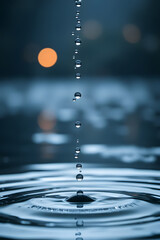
120	38
120	84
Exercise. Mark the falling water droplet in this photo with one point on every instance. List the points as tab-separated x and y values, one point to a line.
78	75
78	20
79	166
76	155
77	140
78	234
78	41
79	223
72	33
78	124
77	150
78	63
74	99
77	12
76	51
78	26
77	95
78	3
79	177
74	57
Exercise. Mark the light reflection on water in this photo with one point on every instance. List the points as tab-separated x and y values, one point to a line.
34	200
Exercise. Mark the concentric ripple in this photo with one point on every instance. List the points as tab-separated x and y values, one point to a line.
33	201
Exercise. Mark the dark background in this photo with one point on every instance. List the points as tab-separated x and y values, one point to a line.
120	37
120	84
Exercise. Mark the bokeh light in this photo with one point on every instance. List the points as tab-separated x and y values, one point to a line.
46	121
47	57
92	29
131	33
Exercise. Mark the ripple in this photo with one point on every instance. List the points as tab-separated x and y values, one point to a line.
126	200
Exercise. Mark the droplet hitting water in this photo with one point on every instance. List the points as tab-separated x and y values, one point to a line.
123	199
79	192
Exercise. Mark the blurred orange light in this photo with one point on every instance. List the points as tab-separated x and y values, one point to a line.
46	121
47	57
131	33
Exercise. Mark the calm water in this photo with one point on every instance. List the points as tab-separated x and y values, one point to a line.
120	153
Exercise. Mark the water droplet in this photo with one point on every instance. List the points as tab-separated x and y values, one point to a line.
77	150
78	75
79	166
78	124
74	99
77	95
78	3
78	41
79	177
72	33
76	155
78	234
77	140
79	192
76	51
79	223
74	57
78	63
78	26
77	12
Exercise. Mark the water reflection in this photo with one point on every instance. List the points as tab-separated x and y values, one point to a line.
33	199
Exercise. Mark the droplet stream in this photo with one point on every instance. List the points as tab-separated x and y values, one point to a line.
77	95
